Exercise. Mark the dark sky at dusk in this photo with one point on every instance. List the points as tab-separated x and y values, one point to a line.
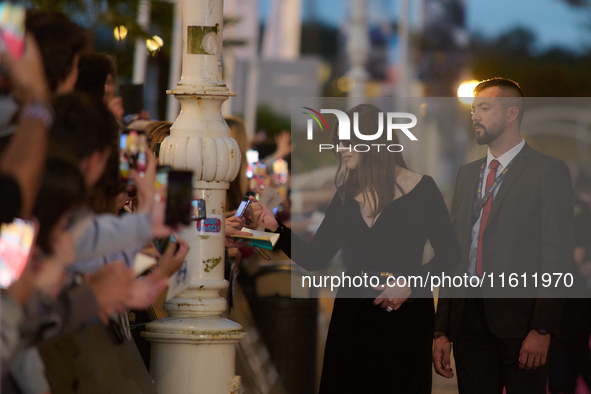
553	21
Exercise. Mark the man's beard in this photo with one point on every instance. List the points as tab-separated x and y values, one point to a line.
485	137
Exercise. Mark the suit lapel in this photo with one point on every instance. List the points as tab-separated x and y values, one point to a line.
519	163
471	189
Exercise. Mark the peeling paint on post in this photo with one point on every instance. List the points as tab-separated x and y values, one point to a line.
210	264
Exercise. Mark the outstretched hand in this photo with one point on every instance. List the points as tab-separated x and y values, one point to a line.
145	290
262	216
145	183
172	259
283	141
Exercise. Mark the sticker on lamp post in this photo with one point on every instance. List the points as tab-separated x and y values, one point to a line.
212	225
203	40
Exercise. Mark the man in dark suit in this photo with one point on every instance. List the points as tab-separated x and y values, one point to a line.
513	213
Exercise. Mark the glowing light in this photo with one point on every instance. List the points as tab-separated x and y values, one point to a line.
465	91
120	32
154	44
346	84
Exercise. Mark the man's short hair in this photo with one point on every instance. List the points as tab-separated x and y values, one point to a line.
509	89
82	126
59	39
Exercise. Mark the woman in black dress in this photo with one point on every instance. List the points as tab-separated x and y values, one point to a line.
379	341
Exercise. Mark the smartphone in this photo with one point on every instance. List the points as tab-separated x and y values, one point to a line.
280	172
259	169
16	241
162	180
199	209
242	208
252	156
132	153
12	28
179	198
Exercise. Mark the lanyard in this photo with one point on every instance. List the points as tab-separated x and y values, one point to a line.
481	202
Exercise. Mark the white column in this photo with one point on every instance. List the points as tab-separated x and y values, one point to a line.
194	350
283	31
358	46
403	42
140	58
176	54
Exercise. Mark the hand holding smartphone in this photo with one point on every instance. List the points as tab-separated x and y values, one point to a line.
132	153
243	207
170	262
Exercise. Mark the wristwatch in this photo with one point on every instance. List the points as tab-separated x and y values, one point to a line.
438	334
542	331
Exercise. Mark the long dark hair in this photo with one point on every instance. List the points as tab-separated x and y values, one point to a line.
376	173
239	186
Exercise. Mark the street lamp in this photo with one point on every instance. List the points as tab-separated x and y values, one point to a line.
120	32
466	91
154	44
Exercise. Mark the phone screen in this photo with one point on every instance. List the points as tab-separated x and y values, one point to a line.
132	153
12	28
179	199
280	172
199	209
252	156
16	240
242	208
259	169
162	180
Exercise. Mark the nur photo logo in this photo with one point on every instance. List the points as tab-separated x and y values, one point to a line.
344	129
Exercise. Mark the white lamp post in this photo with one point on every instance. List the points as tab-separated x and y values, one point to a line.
358	45
193	350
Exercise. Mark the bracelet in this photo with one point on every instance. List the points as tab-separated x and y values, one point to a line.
38	110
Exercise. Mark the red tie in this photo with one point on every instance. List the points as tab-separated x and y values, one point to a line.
485	212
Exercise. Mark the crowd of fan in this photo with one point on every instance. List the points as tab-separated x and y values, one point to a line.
59	168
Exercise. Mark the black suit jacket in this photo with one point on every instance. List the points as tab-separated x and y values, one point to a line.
529	229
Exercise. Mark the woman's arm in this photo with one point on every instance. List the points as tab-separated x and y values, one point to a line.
310	256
